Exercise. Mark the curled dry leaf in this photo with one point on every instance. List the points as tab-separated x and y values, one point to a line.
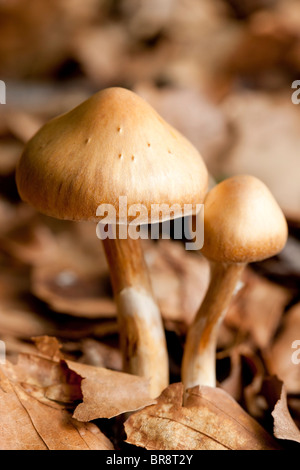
274	393
284	426
210	420
108	393
45	379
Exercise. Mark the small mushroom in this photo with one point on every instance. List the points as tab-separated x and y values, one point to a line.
242	224
92	157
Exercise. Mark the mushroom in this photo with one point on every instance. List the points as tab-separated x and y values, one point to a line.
110	147
242	224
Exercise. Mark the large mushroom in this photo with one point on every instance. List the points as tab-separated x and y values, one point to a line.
115	145
242	224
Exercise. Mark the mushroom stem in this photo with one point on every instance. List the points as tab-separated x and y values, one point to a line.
199	359
142	337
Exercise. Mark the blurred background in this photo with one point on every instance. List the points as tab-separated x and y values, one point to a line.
221	72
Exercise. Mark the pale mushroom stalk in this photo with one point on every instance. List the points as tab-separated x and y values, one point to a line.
142	337
199	360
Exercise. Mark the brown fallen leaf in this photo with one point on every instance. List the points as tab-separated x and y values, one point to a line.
294	407
104	393
45	379
284	425
12	413
28	424
108	393
277	405
210	420
58	429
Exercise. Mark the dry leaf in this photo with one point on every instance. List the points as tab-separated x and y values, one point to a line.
210	420
104	393
58	429
45	379
108	393
284	426
28	424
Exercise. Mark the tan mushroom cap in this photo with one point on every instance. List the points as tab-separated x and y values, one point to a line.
242	222
114	144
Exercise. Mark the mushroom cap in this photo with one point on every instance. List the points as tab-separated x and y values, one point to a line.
242	222
113	144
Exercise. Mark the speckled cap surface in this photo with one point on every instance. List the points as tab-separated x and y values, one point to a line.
114	144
